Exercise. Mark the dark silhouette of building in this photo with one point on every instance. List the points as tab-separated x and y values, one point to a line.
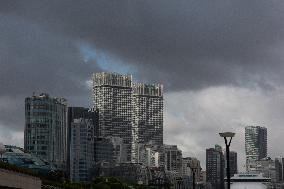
215	167
233	163
78	113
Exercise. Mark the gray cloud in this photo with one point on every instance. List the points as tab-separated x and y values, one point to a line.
203	43
33	60
190	46
203	114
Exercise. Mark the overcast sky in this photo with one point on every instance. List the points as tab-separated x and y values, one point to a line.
221	62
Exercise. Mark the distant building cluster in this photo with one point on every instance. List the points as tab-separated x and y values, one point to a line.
121	136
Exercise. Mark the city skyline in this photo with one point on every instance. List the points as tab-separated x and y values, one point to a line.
219	74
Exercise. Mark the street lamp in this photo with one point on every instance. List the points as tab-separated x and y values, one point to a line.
227	135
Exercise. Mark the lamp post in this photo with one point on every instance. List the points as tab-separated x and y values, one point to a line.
226	136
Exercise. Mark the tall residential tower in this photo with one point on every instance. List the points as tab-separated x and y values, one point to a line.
147	104
112	97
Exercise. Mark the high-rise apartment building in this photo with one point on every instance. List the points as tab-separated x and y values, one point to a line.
256	145
133	112
112	97
81	149
148	112
215	167
147	125
45	128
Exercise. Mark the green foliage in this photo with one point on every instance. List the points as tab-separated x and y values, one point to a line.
109	183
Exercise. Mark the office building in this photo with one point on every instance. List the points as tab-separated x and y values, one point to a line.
233	163
81	149
266	166
147	114
215	167
279	168
112	97
77	113
256	145
173	159
45	128
110	149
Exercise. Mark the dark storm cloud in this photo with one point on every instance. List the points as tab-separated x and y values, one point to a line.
190	45
187	44
34	60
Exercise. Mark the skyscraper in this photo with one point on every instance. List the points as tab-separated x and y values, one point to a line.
79	113
81	149
215	167
45	128
255	144
147	115
112	97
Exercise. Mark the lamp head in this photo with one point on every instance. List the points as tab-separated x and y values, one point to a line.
227	134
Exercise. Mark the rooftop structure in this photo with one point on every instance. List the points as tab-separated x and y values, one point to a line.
249	181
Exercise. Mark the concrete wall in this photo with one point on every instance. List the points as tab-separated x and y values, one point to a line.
17	180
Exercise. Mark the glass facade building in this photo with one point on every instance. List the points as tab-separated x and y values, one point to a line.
256	145
16	156
81	149
78	113
45	128
233	163
110	149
